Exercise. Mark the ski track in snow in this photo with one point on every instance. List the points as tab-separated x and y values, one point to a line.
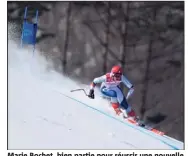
41	118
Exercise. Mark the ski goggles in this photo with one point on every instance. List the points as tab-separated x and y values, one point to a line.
116	75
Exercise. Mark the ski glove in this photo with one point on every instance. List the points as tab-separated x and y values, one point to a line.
91	94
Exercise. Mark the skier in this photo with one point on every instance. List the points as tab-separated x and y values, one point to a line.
110	88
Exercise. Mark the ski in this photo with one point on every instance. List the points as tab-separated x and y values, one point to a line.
142	125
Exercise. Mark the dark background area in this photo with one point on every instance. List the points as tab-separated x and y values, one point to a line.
85	39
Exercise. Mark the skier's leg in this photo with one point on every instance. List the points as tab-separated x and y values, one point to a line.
108	92
123	102
115	105
112	94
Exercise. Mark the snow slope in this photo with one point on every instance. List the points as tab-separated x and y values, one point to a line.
43	114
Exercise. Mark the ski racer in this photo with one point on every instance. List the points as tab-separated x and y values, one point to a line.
110	88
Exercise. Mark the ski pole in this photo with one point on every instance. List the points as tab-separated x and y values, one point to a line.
79	90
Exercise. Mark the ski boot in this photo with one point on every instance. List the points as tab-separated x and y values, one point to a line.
134	119
116	108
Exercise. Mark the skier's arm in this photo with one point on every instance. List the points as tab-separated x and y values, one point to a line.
93	84
97	80
129	85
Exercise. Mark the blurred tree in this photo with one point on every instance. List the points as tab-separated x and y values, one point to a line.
66	39
108	21
124	28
